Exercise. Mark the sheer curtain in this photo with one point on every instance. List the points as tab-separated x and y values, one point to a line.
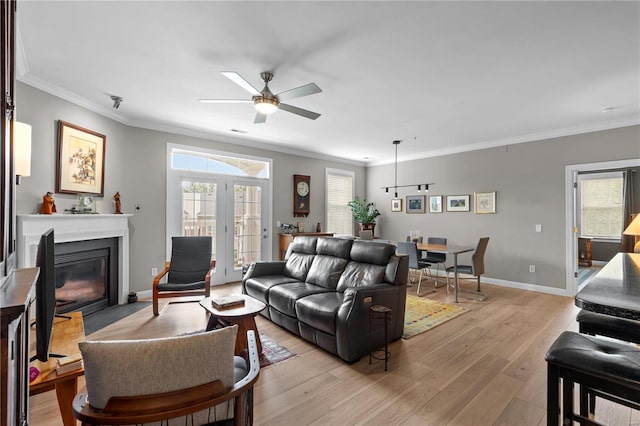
628	241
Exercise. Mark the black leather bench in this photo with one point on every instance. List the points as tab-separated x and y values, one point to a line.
607	325
609	369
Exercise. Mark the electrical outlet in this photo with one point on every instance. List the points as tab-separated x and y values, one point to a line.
154	272
532	268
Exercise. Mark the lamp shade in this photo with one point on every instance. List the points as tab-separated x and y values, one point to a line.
634	229
22	148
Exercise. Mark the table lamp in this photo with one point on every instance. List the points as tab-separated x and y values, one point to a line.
634	229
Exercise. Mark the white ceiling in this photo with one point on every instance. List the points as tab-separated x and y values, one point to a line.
441	76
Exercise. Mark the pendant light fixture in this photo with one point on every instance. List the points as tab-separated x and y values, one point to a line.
395	185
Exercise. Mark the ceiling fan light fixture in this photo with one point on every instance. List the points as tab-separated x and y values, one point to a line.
265	105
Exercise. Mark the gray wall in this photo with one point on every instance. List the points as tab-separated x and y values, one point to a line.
135	165
530	182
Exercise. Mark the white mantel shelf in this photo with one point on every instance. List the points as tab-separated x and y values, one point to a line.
76	227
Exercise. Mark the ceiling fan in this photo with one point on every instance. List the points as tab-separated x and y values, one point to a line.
266	102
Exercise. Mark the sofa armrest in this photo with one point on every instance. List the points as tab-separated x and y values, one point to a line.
259	269
352	323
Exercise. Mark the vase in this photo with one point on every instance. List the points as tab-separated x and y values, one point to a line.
367	226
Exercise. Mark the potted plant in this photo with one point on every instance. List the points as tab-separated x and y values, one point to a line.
364	213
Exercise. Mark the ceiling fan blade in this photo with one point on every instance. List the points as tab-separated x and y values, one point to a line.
225	101
298	92
237	79
299	111
260	118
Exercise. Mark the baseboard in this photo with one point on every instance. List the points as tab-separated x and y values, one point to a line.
522	286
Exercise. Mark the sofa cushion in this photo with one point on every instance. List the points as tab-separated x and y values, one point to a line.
320	310
298	265
283	297
258	287
337	247
325	271
358	274
370	252
131	367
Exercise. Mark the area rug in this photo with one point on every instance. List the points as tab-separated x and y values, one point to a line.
107	316
422	314
272	352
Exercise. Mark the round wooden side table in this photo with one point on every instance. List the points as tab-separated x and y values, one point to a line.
380	315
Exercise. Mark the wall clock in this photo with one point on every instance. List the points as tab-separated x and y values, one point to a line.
301	195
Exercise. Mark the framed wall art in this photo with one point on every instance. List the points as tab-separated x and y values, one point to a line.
396	205
458	203
485	202
415	203
435	203
80	168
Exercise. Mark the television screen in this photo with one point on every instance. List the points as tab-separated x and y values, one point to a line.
45	295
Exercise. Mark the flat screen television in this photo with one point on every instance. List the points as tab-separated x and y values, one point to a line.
45	296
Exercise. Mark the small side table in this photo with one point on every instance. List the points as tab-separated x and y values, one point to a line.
380	314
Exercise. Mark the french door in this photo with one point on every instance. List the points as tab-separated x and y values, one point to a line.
232	210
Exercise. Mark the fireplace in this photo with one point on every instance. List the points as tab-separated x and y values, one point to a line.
86	230
86	275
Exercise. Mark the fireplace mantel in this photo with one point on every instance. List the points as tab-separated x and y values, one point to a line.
71	227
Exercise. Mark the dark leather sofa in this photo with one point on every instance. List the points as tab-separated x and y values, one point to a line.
323	289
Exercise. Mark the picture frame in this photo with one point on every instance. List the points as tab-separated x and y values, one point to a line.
80	160
435	203
458	203
485	202
396	205
415	203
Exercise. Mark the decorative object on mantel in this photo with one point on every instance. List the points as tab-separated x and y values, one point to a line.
395	185
300	226
80	163
86	204
48	204
118	206
365	214
318	227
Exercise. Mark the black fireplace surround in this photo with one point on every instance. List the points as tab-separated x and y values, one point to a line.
86	275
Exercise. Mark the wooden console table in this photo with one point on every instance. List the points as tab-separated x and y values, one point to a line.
67	333
285	240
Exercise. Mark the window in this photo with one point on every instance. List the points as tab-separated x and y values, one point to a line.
601	205
339	184
211	162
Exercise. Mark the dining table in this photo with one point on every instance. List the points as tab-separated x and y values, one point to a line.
448	249
615	289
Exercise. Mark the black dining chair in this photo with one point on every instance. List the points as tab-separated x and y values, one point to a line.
436	258
416	265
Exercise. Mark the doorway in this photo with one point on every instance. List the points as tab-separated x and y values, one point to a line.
233	210
572	211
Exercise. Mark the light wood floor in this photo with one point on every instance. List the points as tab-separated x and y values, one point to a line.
485	367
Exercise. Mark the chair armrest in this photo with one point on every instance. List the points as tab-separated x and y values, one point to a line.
162	273
207	279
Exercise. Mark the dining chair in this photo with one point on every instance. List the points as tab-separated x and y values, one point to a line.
416	265
476	269
436	258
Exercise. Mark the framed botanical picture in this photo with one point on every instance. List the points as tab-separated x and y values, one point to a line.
435	203
415	203
485	202
396	205
458	203
80	163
